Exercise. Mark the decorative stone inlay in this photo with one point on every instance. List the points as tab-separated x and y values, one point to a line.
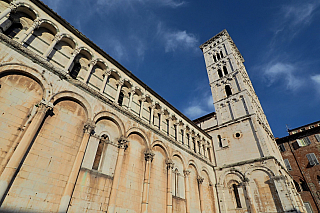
148	155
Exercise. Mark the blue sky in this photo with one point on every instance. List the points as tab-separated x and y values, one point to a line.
158	41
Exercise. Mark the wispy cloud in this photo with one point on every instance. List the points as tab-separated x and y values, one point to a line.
294	17
316	80
199	106
178	39
285	72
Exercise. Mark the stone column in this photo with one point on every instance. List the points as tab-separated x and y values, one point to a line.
187	189
131	97
23	146
105	79
10	9
120	83
200	181
148	155
151	114
160	119
68	190
34	26
122	145
169	185
247	189
177	131
91	65
73	56
141	107
55	40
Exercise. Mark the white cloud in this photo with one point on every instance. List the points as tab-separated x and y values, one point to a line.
179	39
199	106
299	14
283	71
316	80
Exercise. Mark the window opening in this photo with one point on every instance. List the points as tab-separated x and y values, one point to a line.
75	70
228	90
199	147
168	128
120	100
220	140
214	58
297	186
221	54
287	163
312	158
282	148
13	30
220	73
225	71
97	158
175	132
218	56
236	195
318	178
182	136
188	140
194	145
317	137
304	185
209	154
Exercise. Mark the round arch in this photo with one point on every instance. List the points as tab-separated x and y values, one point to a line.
32	73
49	25
139	132
76	97
179	155
230	171
85	49
191	162
68	39
162	145
26	8
268	171
205	170
113	117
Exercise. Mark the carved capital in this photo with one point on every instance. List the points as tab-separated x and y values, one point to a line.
148	155
76	52
45	106
169	163
89	127
107	73
13	6
93	62
123	143
120	83
36	23
200	179
186	172
57	37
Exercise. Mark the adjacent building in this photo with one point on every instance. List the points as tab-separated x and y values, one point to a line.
81	133
301	153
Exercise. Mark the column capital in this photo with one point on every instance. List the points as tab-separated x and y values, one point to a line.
57	37
169	163
148	155
123	143
93	62
36	23
107	73
76	52
186	172
200	179
13	6
143	98
89	127
120	83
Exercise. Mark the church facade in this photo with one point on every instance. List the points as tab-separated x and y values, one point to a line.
80	133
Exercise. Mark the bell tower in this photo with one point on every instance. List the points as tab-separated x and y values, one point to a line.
237	106
248	160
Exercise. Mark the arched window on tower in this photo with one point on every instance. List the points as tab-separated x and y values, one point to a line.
225	71
236	195
318	178
218	56
221	54
13	30
120	100
220	140
220	73
214	58
99	151
209	154
194	145
188	140
228	90
75	70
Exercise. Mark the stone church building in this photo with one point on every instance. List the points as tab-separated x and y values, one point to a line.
81	133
